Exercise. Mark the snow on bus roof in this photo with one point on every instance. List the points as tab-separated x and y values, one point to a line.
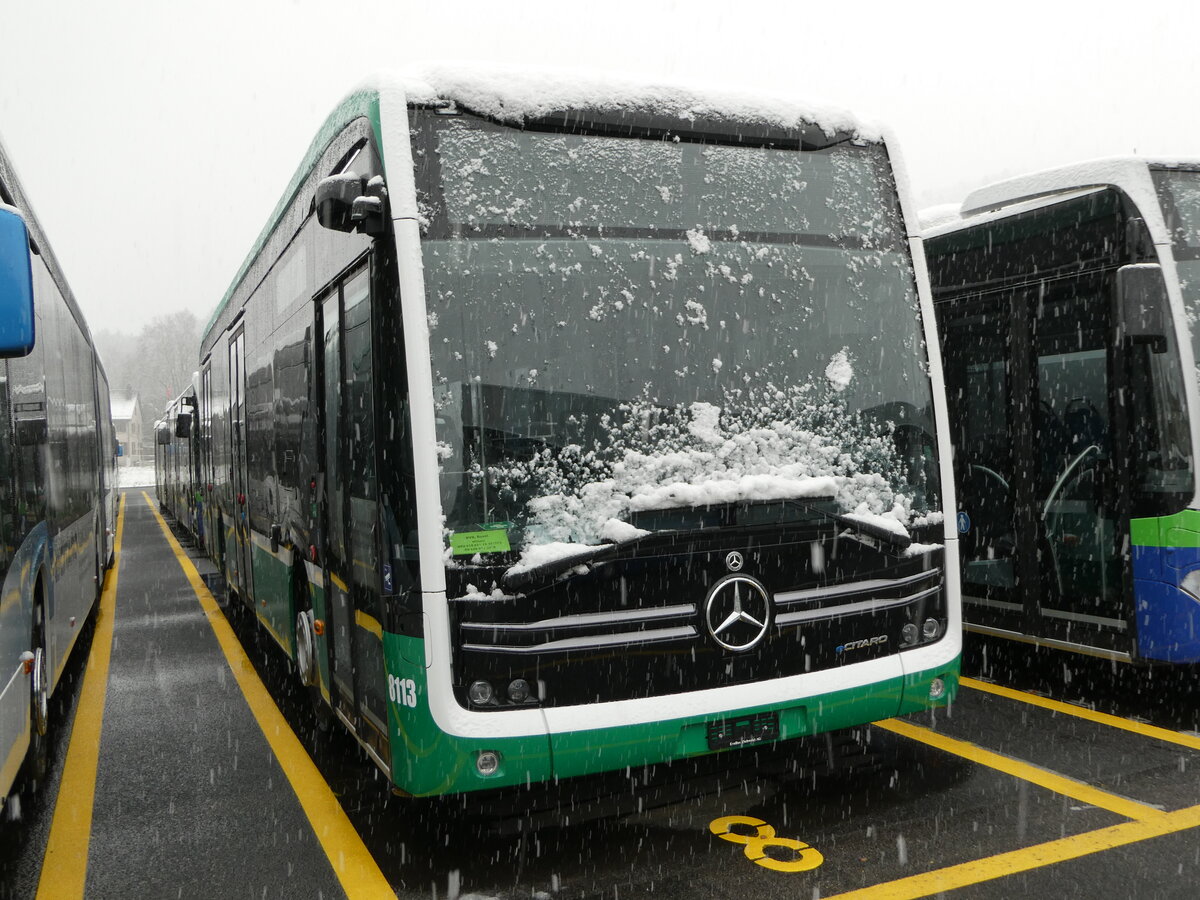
511	94
1131	174
941	216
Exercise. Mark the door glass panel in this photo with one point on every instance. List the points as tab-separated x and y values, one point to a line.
976	349
360	478
1079	545
335	509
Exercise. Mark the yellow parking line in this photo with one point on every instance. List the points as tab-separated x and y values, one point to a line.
1081	712
1060	784
64	867
1027	858
353	864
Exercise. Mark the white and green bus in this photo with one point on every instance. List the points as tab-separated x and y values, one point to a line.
555	426
1067	302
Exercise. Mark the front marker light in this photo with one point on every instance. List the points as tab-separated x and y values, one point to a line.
518	690
487	763
480	693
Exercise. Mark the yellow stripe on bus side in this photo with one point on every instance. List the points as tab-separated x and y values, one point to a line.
1081	712
353	864
64	868
369	623
1051	781
1027	858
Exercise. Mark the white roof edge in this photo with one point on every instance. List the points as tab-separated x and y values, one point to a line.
1121	171
941	221
511	94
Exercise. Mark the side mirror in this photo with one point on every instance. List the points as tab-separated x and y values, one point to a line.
348	202
183	425
1145	309
16	285
162	435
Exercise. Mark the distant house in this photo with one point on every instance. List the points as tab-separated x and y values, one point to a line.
127	422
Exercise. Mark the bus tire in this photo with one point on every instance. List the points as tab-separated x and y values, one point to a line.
308	667
38	759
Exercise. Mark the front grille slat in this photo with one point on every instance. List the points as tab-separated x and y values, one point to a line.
872	586
593	642
587	620
847	609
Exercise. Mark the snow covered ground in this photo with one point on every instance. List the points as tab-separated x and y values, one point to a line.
135	476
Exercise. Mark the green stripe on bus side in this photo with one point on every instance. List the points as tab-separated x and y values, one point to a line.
273	591
1179	530
426	761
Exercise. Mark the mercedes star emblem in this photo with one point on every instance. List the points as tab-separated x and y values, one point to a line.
734	561
738	612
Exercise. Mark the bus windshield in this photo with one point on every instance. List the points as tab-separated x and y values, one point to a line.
625	328
1179	194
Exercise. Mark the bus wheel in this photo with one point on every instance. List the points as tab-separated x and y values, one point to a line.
39	701
308	669
306	650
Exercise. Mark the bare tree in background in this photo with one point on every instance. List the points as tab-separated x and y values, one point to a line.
158	363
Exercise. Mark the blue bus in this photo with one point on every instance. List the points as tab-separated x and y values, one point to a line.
58	496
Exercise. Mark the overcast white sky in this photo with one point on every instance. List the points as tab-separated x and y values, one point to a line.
154	138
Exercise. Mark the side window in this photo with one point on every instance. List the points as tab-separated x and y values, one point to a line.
359	385
359	400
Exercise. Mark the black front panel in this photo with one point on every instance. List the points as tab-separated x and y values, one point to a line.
706	612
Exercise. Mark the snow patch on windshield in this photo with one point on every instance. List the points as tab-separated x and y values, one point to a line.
699	241
705	424
618	532
840	370
534	555
762	444
893	520
922	549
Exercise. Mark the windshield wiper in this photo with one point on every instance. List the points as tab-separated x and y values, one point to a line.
518	580
515	581
878	532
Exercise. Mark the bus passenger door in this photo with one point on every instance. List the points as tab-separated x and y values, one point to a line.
238	555
349	510
1082	533
976	349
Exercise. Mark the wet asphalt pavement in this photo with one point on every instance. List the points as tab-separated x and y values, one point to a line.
191	802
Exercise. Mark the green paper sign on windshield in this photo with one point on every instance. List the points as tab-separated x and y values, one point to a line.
468	543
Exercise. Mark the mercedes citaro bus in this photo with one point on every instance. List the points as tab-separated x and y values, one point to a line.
557	425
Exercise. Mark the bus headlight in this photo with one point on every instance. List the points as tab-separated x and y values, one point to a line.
480	693
931	629
487	762
909	633
518	690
